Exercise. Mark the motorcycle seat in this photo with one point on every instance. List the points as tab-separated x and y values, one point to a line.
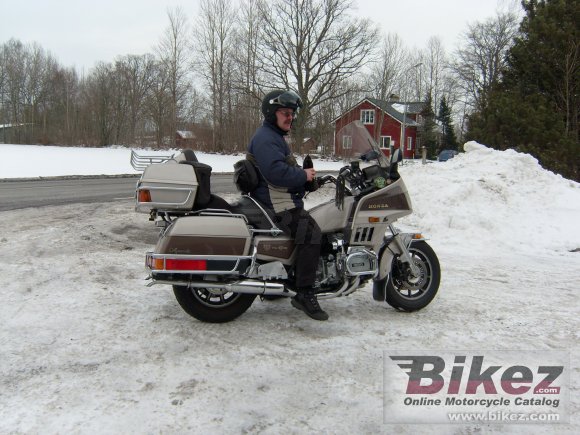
257	215
214	202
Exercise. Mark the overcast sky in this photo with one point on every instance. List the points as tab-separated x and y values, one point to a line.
81	32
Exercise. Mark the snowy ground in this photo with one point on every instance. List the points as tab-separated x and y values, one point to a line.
85	347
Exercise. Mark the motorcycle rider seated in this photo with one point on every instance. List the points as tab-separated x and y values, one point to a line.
281	189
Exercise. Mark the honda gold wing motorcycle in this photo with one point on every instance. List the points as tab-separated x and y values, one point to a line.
219	255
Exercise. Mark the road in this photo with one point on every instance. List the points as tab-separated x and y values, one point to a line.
68	190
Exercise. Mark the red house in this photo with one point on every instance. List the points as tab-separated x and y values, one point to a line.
184	139
385	121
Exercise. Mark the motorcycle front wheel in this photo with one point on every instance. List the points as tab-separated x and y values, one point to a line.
407	293
212	305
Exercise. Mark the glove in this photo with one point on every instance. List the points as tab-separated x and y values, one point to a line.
310	186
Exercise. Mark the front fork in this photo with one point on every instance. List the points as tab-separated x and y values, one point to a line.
401	242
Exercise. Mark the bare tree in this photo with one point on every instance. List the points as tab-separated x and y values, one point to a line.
433	70
247	73
14	56
311	46
135	74
60	122
482	56
99	94
385	73
214	35
158	102
173	54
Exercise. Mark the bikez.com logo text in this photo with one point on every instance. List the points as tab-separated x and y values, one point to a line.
425	376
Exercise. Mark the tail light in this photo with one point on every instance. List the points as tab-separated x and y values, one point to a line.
177	264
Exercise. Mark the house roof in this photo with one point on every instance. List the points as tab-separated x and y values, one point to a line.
413	107
395	110
2	126
185	134
391	109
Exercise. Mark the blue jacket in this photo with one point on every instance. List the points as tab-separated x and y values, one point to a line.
281	185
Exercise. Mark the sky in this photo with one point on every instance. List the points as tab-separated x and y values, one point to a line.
87	348
80	33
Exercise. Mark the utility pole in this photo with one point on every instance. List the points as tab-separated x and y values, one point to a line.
405	102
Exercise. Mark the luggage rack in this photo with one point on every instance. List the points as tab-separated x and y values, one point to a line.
141	161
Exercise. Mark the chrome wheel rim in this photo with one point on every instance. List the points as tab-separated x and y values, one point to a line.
215	298
413	288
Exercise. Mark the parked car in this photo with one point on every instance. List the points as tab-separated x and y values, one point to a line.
446	155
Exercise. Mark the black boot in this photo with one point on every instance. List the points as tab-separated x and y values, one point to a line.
306	301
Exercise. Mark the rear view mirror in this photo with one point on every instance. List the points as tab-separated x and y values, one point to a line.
369	156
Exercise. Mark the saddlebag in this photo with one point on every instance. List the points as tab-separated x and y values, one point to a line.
174	186
202	245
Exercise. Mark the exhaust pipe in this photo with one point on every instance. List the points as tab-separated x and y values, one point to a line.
249	286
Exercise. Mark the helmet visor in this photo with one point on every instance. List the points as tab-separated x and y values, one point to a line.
287	99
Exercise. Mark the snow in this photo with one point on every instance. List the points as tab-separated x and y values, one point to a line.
31	161
86	347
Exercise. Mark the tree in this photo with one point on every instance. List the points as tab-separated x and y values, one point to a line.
312	46
434	62
448	139
158	103
173	54
534	107
135	76
385	72
428	129
247	73
215	38
482	56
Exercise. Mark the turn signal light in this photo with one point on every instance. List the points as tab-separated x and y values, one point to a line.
417	236
374	220
157	264
144	196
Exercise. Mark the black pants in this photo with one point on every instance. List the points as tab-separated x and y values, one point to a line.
298	223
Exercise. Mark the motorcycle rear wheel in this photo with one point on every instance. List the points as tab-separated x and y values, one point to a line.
406	294
212	306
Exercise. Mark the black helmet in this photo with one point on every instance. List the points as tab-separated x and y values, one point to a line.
279	99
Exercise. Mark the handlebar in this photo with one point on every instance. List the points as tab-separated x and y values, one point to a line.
325	179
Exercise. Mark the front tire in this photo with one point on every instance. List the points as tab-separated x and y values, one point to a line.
412	294
212	305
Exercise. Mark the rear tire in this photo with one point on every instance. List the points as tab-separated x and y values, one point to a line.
407	294
212	305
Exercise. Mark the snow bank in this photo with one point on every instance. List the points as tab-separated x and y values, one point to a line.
486	196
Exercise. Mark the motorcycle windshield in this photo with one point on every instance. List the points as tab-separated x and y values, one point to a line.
357	143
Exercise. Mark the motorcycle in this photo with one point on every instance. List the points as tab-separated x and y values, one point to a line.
219	256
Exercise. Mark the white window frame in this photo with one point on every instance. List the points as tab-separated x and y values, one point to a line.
367	116
382	144
409	143
347	142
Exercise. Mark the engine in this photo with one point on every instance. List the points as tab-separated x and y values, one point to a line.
361	261
336	262
331	265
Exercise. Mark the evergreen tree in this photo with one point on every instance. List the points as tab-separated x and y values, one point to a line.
534	108
429	128
448	140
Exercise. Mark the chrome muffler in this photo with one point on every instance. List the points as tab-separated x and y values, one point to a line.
248	286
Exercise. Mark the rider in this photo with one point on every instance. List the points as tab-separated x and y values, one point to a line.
281	189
